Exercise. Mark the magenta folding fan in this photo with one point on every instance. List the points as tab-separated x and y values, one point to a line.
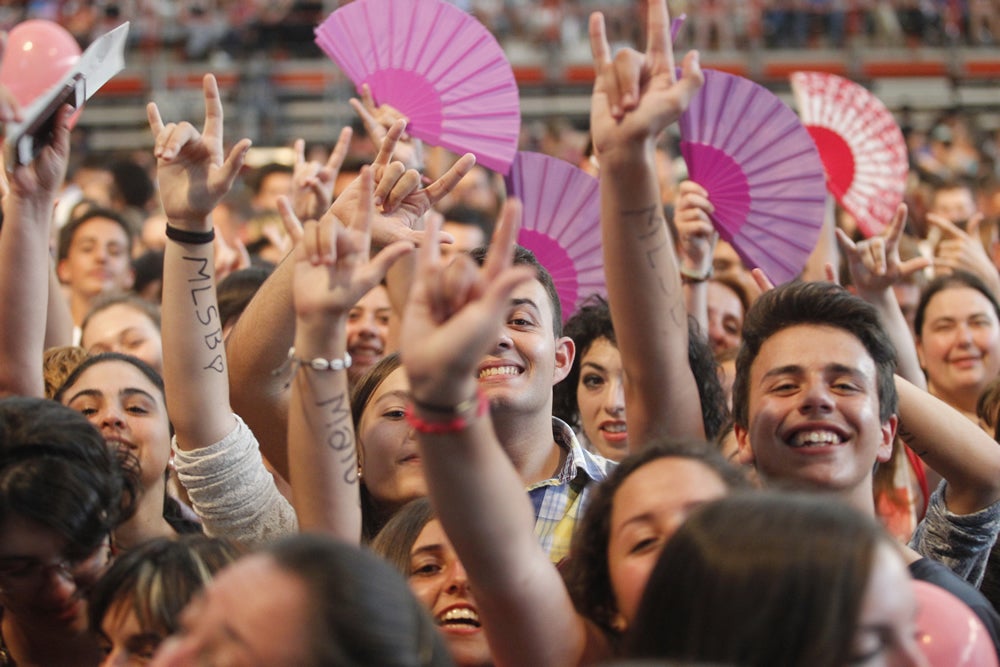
438	66
561	224
761	169
862	148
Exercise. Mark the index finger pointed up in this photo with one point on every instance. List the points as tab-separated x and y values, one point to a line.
659	46
847	246
501	251
599	46
895	229
213	108
388	146
154	118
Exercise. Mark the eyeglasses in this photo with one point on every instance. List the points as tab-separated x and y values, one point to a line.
22	574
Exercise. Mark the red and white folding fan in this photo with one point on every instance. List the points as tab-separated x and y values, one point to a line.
438	66
862	148
561	224
761	169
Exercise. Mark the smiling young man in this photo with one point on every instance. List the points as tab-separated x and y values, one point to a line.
816	407
517	376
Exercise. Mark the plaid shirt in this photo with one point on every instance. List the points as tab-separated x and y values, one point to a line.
559	501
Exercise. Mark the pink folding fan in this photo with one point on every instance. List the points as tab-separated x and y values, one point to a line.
761	169
438	66
561	224
862	147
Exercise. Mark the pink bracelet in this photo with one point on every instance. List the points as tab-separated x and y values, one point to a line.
457	423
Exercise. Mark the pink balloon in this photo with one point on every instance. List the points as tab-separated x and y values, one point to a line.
950	634
38	54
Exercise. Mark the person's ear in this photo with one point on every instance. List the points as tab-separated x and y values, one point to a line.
744	452
565	353
62	271
888	436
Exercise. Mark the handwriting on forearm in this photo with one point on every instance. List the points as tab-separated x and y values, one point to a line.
339	434
206	311
651	230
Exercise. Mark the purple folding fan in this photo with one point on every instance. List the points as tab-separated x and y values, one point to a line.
761	169
436	65
561	224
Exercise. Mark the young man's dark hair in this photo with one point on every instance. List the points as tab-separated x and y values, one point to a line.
524	257
822	304
69	229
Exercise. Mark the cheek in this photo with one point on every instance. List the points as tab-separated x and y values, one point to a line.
628	581
425	591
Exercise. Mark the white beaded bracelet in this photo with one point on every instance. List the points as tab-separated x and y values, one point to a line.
321	364
317	364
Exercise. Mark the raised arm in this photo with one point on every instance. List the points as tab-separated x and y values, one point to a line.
25	263
259	342
331	272
453	318
875	267
636	96
194	174
696	243
953	445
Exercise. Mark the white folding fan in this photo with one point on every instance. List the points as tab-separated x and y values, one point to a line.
438	66
761	169
560	224
863	150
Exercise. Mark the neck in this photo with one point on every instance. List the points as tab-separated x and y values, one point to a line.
963	401
527	440
79	306
147	523
35	645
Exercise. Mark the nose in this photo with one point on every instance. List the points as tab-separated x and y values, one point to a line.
614	399
367	327
60	588
963	334
816	397
110	418
504	342
116	658
458	582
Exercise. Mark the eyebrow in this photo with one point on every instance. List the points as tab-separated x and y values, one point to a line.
397	394
524	302
97	393
427	548
794	369
594	365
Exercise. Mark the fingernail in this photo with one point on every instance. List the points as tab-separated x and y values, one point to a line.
377	201
615	110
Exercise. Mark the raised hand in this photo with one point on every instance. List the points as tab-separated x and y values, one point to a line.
37	183
963	250
874	263
378	119
332	265
313	182
455	312
695	234
193	172
637	95
400	199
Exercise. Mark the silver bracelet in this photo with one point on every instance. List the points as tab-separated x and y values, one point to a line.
317	364
321	364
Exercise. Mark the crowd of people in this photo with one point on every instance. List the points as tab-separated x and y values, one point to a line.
330	413
198	29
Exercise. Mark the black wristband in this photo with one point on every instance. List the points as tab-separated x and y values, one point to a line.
187	236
